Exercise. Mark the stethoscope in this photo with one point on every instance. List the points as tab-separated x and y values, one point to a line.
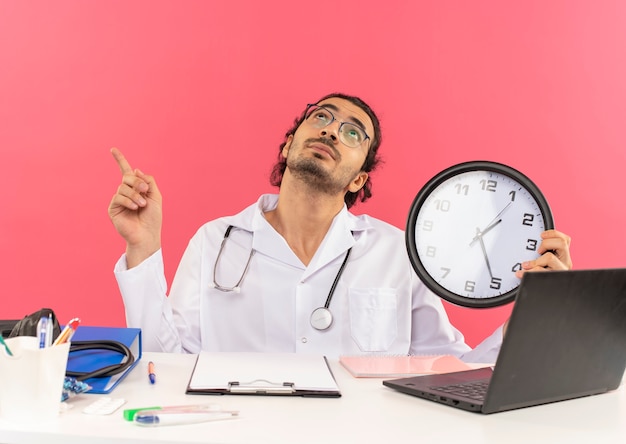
237	287
321	318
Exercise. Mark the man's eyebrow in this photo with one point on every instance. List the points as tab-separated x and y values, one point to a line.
351	118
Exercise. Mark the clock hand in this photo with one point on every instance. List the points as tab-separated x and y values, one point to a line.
490	226
479	235
497	216
495	221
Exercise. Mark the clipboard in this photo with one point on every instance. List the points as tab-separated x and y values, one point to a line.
266	374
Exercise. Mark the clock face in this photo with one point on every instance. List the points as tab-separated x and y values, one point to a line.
471	227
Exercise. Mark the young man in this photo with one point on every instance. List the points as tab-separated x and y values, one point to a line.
296	271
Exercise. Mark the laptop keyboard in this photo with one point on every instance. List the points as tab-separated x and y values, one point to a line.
473	390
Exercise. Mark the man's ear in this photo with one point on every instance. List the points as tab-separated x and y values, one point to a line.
358	182
285	150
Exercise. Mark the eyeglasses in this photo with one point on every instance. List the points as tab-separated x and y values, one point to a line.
350	134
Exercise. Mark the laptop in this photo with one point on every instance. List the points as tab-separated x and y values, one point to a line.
566	339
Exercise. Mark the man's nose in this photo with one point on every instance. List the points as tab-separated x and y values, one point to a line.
331	131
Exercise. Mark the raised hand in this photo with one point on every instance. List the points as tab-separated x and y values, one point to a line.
136	211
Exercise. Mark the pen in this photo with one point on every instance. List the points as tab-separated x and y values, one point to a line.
6	347
42	331
174	417
49	328
67	332
151	374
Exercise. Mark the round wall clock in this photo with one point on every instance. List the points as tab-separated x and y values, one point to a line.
470	228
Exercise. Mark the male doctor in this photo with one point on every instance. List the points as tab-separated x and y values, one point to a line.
295	271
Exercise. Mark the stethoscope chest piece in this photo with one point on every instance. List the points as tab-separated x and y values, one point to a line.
321	318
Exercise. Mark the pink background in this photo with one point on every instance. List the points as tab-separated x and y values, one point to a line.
200	93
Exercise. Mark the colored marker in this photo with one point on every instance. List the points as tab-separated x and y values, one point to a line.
68	332
151	374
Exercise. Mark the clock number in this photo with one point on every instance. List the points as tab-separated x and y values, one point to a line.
489	185
512	194
496	283
442	205
528	219
446	271
430	251
470	286
516	267
428	225
531	244
461	189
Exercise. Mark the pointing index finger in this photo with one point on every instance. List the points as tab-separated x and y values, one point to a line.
121	161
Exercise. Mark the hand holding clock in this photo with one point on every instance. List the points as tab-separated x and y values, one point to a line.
554	251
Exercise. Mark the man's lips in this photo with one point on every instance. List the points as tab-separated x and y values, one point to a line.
321	146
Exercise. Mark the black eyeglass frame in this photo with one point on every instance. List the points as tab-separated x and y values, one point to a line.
341	124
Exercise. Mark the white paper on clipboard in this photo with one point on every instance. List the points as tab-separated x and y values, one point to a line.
263	374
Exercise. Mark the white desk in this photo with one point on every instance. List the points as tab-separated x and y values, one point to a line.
367	412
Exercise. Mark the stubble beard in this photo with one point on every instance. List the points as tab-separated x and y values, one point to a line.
310	171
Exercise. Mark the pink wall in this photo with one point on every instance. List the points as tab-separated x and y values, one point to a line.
200	93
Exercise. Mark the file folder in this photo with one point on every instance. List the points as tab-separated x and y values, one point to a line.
94	359
281	374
